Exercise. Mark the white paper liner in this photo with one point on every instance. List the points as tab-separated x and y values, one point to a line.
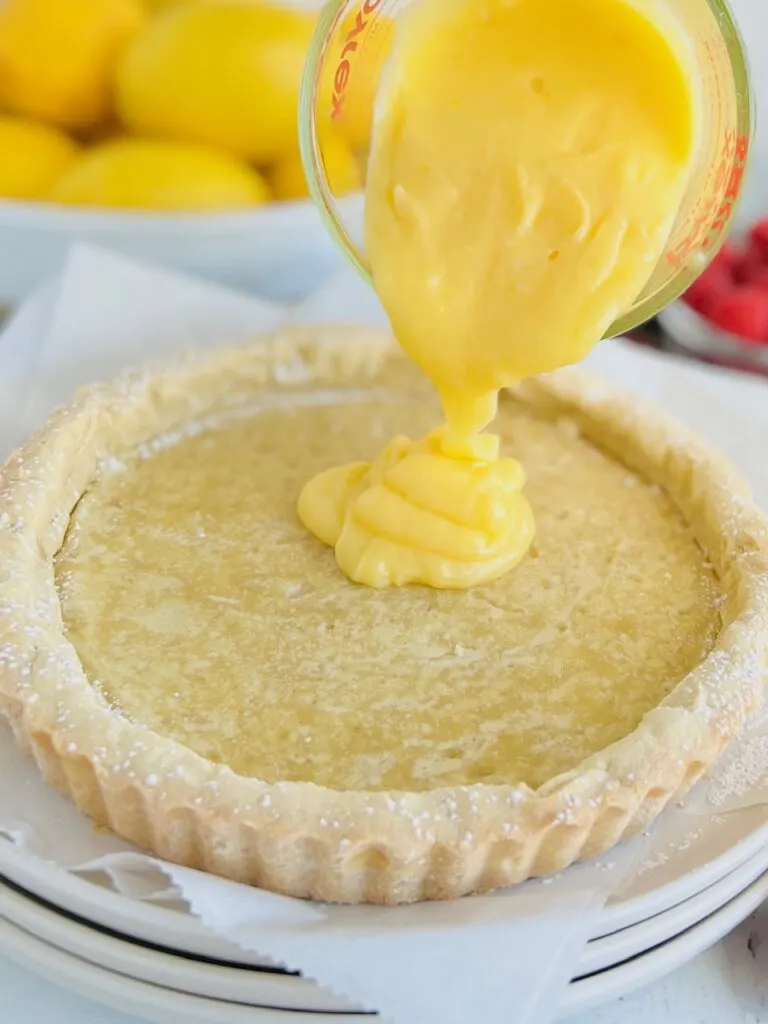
480	958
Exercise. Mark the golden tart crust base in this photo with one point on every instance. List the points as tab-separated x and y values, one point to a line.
241	639
358	846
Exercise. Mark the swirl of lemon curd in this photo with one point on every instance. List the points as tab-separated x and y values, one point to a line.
419	515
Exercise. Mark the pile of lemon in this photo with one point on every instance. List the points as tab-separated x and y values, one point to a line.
175	105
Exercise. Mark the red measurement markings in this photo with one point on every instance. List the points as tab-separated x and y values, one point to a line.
714	215
352	41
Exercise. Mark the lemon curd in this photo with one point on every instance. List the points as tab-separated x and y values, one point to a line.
528	160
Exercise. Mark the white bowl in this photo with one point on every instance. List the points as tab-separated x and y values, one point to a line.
280	251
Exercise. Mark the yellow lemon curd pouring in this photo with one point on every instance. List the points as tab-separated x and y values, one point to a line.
529	158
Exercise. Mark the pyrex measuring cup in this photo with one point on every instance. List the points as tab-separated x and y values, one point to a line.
354	37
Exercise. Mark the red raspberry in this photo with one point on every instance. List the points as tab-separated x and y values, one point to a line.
758	239
743	312
749	267
755	275
745	266
714	283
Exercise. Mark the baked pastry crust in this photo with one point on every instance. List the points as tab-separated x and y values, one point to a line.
306	840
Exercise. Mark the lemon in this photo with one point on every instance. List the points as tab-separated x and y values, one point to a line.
287	180
32	157
56	57
149	175
224	73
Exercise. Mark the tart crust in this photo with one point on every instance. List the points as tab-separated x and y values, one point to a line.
302	839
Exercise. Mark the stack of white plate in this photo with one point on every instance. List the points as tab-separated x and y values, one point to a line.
161	963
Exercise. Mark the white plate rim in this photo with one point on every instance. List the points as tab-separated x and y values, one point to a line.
186	933
598	989
614	949
235	984
150	1002
164	1005
165	969
624	914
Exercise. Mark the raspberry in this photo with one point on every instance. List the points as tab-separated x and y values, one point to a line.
748	266
714	283
758	239
742	311
752	271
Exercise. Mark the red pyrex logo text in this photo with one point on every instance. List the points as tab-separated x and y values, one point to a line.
351	43
715	209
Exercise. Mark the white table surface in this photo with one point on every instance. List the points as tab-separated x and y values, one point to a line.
726	985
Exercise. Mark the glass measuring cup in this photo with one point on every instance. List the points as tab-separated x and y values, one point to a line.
353	39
